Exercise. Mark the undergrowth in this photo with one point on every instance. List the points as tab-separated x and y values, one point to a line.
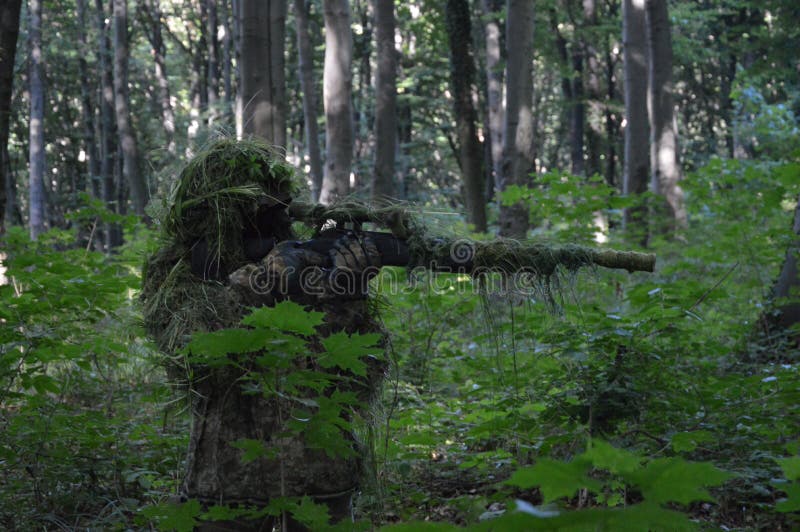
643	401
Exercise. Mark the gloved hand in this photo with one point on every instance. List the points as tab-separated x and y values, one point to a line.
355	260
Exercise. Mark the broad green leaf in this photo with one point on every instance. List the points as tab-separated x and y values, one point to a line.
688	441
555	479
180	517
791	467
346	352
676	480
286	316
792	501
213	346
253	449
311	514
605	456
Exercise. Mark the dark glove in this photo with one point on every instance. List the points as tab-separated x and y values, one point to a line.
355	260
281	272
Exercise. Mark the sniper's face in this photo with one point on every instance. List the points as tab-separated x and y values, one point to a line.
271	221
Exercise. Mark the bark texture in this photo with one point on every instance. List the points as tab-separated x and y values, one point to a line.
337	98
494	83
462	78
9	33
788	285
305	58
593	96
383	183
635	170
518	142
212	42
87	104
130	151
263	79
664	149
153	12
36	154
108	130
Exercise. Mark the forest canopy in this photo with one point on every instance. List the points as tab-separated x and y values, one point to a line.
544	132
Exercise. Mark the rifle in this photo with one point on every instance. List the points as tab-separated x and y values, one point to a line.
438	254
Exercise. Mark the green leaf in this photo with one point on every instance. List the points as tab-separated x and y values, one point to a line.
314	516
286	316
214	347
253	449
555	479
605	456
180	517
791	467
792	501
688	441
676	480
346	352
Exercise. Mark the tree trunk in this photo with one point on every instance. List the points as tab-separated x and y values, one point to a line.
108	130
87	105
9	32
236	29
130	152
518	142
36	143
611	125
263	81
227	56
577	112
336	95
787	287
592	72
305	54
635	172
159	52
212	82
383	184
664	150
462	78
494	83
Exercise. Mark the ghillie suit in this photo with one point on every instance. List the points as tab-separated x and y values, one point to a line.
232	191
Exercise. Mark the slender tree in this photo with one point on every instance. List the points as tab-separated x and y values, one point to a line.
227	55
107	129
462	78
306	67
593	95
337	99
9	33
635	171
87	104
518	130
494	82
263	81
130	150
577	111
36	126
664	151
383	184
153	16
212	41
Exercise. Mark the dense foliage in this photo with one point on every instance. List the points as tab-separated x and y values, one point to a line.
591	400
